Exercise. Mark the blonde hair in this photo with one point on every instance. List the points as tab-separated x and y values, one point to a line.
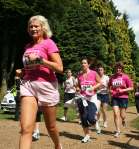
45	25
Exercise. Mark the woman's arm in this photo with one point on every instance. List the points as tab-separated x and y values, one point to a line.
98	80
125	90
129	86
78	88
55	62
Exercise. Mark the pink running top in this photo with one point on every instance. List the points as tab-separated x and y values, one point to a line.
120	81
87	83
37	71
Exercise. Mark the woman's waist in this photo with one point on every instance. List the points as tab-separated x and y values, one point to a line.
39	75
120	96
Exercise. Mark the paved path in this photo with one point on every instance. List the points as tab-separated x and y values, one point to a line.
71	133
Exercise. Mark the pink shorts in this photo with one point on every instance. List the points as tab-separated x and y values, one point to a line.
46	93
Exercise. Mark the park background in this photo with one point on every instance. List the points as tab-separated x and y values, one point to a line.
80	28
94	28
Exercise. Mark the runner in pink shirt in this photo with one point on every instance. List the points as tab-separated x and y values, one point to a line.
41	60
88	104
119	85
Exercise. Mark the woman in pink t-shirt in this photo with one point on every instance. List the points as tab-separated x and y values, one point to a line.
88	104
119	85
41	60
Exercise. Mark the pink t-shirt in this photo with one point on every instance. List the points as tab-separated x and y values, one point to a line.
87	83
36	71
119	81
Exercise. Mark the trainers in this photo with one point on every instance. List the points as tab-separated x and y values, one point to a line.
123	123
86	139
80	122
105	125
63	118
117	134
35	136
98	131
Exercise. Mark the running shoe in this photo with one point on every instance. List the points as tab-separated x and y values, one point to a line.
35	136
117	134
86	139
80	122
64	118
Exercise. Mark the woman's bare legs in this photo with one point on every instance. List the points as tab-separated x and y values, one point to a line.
28	117
50	122
104	113
123	115
36	128
86	130
116	113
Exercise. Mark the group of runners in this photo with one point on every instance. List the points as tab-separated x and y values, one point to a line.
97	90
91	88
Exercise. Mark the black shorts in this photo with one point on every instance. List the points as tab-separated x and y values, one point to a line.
88	113
120	102
68	96
104	98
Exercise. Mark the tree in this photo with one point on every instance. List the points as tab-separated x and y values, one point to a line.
115	30
80	35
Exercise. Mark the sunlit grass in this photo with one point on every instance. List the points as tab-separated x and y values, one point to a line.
135	123
6	116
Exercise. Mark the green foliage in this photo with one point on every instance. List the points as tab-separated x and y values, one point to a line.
116	33
71	113
80	35
18	6
92	28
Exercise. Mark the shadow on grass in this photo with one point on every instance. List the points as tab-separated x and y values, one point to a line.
135	132
136	137
130	112
70	135
68	121
122	145
106	132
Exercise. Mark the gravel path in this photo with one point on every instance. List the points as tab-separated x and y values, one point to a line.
71	133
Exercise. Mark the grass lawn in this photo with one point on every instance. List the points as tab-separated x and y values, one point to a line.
60	111
6	116
71	113
135	123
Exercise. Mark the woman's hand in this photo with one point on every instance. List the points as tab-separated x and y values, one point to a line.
54	63
119	90
33	57
18	73
77	90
